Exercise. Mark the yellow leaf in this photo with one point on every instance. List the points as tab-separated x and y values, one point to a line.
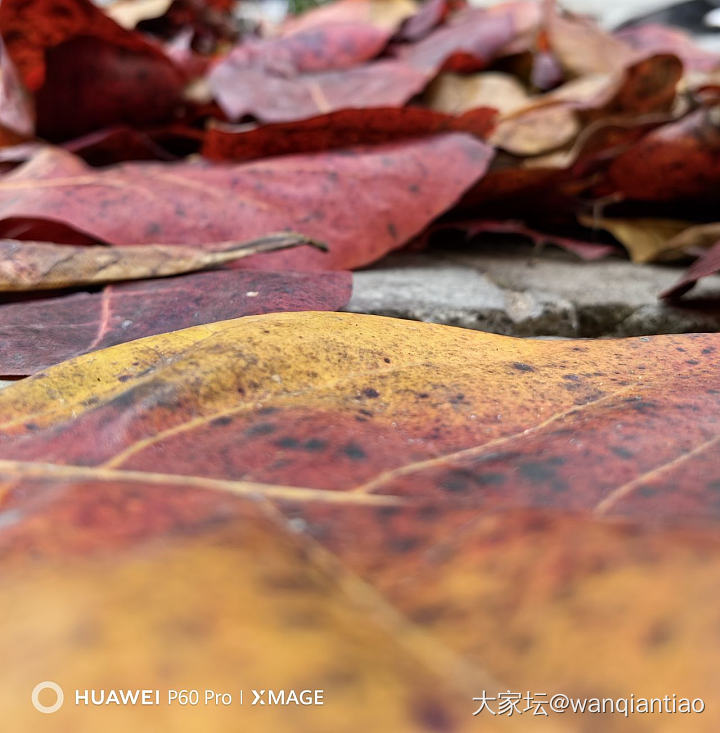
400	514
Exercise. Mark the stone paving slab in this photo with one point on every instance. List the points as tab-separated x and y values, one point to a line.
515	290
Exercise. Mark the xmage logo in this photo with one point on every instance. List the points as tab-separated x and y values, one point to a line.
287	697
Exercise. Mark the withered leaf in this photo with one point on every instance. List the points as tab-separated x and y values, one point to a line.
339	129
467	42
36	334
16	117
47	266
383	14
706	265
308	480
655	38
680	160
273	97
30	27
361	202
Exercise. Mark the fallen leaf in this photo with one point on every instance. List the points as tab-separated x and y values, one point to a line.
128	13
458	93
36	334
469	41
680	160
272	97
361	202
581	46
337	130
307	480
31	27
585	249
47	266
90	84
655	38
556	119
17	122
325	48
383	14
431	14
646	240
706	265
536	130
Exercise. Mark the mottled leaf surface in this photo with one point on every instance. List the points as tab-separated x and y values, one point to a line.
361	202
402	513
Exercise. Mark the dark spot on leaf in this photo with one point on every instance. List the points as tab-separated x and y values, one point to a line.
263	428
522	367
354	451
220	421
370	393
287	442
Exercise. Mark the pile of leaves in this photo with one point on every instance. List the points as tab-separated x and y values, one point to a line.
210	493
361	124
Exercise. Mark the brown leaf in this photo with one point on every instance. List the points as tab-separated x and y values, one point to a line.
36	334
581	46
554	120
16	117
543	517
46	266
458	93
339	129
362	202
645	239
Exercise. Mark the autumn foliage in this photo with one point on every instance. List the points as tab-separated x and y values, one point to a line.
212	480
358	123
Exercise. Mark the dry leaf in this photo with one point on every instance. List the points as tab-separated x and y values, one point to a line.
37	333
299	500
46	266
646	240
455	93
362	202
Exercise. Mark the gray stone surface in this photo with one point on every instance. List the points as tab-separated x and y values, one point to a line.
515	290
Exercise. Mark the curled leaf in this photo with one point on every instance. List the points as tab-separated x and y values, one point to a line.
46	266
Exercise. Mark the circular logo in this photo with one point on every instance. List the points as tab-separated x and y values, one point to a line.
47	685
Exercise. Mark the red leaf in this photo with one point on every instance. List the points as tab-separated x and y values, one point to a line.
657	38
675	161
362	202
430	15
36	334
468	42
706	265
91	84
339	129
29	27
584	249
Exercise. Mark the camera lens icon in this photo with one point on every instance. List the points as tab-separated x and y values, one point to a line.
41	687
